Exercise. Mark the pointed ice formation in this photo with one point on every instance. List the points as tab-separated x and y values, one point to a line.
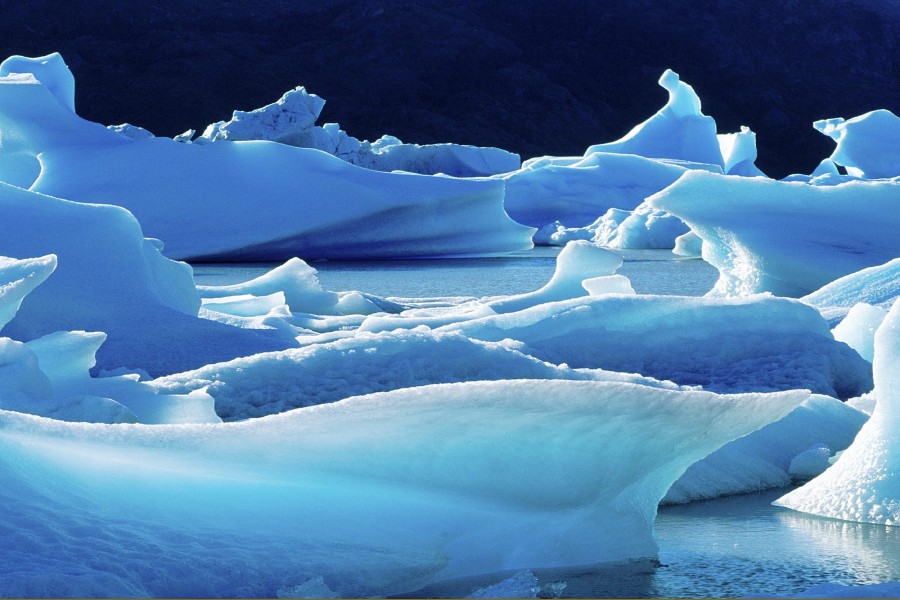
864	484
377	494
679	130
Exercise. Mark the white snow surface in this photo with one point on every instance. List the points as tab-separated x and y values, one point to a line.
864	484
376	494
868	145
787	238
246	200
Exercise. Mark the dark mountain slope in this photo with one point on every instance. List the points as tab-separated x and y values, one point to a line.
532	76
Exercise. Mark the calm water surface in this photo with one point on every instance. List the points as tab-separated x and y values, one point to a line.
730	547
650	272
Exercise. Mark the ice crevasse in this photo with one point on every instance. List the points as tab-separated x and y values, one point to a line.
254	200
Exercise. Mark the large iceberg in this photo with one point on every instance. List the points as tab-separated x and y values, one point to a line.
788	238
243	200
864	484
291	120
377	494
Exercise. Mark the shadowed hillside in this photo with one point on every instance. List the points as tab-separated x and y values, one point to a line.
535	77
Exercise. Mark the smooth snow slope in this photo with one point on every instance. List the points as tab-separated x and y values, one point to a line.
377	494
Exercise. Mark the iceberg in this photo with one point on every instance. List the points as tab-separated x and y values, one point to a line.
111	279
378	494
863	485
243	201
291	120
754	343
788	238
867	145
679	130
772	457
50	376
877	286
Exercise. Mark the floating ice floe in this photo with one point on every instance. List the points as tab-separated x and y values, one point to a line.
241	200
787	238
377	494
291	120
868	146
775	455
864	484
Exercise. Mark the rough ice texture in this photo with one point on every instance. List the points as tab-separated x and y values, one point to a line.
678	130
377	494
786	238
291	120
111	279
274	382
763	459
867	145
864	484
756	343
248	200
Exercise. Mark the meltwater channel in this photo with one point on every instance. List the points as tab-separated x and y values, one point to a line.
728	547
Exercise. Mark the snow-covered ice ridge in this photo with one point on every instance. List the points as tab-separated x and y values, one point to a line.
273	437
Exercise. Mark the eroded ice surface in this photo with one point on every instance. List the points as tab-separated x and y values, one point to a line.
864	483
787	238
244	200
377	494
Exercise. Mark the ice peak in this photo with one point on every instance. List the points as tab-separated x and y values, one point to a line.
683	100
51	70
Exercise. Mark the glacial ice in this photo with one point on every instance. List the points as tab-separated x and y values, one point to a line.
755	343
867	145
764	458
246	200
50	376
877	286
291	120
864	484
787	238
111	279
857	330
376	494
679	130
